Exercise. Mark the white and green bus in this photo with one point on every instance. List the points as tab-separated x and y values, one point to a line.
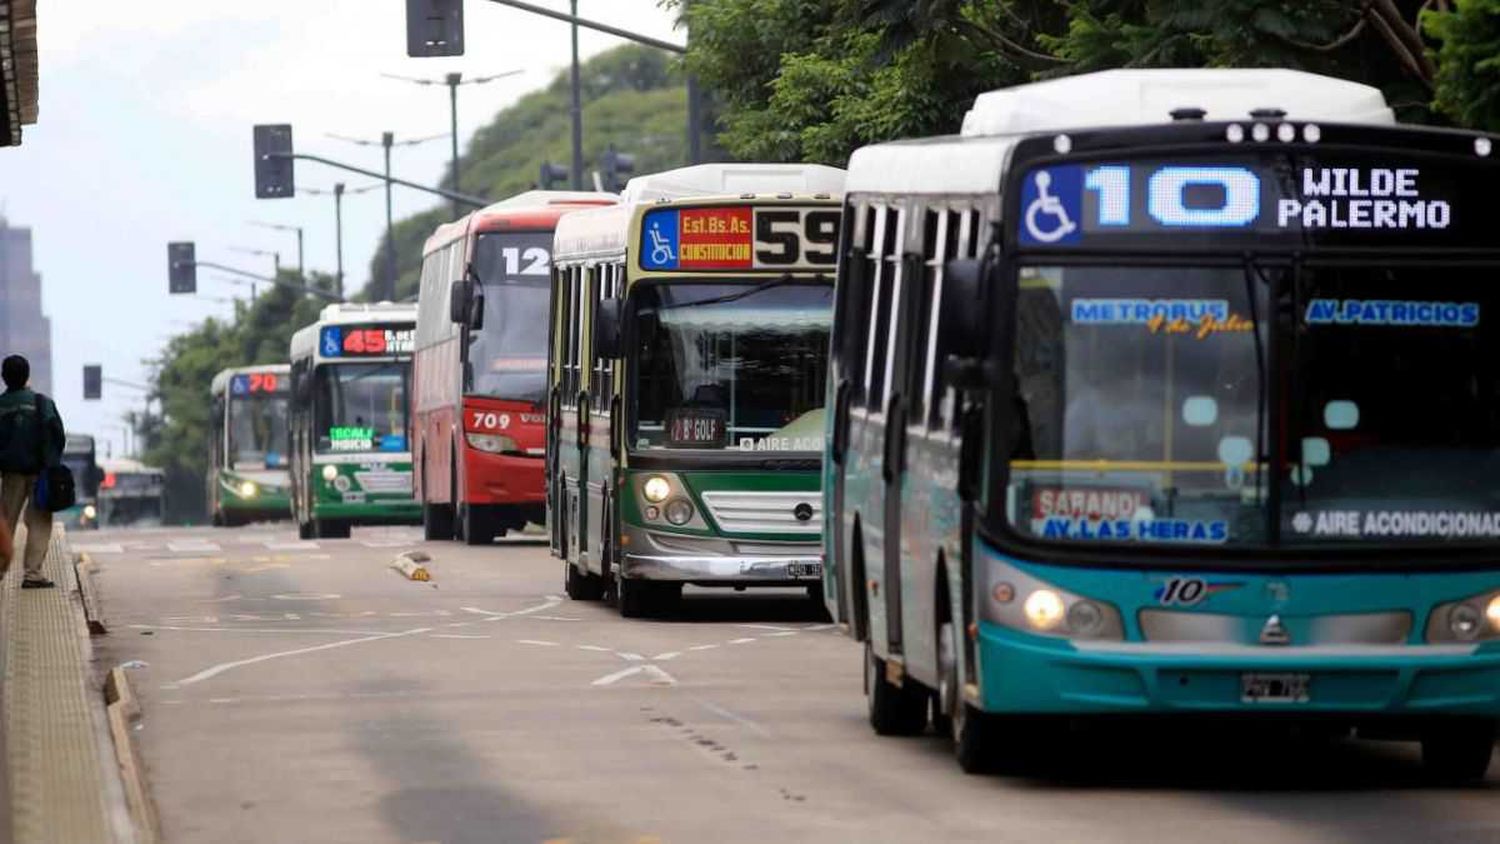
249	446
689	345
350	452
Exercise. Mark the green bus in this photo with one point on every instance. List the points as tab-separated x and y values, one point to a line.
248	442
350	452
689	343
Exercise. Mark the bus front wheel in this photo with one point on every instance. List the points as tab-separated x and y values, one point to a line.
1459	752
894	710
580	586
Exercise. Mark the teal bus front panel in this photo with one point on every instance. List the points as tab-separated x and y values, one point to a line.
1025	672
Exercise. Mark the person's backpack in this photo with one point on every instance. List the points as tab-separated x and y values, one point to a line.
54	490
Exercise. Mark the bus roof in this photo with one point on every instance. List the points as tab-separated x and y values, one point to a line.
974	162
599	232
733	180
531	209
127	465
305	341
74	443
1144	96
221	379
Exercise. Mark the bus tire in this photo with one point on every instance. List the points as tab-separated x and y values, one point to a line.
894	710
437	522
635	597
1458	753
580	586
331	529
305	530
476	528
972	731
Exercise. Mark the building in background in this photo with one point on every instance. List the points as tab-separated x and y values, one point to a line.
24	329
18	69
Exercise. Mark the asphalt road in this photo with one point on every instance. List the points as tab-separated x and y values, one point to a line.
304	691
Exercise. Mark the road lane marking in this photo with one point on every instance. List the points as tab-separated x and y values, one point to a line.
293	545
593	648
661	676
193	546
742	641
490	615
630	656
332	631
765	626
215	670
307	596
536	642
460	636
783	633
702	647
666	656
99	548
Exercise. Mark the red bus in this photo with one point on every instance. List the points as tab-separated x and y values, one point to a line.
479	374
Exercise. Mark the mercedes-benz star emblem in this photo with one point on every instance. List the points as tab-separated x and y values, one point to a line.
1274	632
803	512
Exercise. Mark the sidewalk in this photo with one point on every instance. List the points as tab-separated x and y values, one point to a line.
59	767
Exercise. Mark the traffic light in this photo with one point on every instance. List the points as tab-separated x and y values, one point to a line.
552	174
616	166
273	161
434	28
93	381
182	268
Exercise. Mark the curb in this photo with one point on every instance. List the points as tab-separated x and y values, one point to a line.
123	711
83	569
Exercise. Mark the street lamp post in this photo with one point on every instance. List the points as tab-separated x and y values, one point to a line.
386	140
576	106
453	80
301	266
339	189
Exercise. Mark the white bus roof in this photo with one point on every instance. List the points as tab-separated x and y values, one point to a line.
598	232
221	380
1136	97
127	464
974	162
305	341
448	232
734	180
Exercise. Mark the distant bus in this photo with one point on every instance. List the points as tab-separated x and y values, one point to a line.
689	349
80	456
249	445
131	494
1167	394
351	459
479	375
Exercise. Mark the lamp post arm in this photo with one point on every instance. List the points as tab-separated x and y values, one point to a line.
258	277
595	25
474	201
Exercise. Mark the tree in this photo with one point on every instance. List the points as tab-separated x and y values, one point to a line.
851	72
1468	61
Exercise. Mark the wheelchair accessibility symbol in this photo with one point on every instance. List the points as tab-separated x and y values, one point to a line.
661	247
1052	201
661	240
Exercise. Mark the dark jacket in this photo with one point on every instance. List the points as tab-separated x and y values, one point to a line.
23	436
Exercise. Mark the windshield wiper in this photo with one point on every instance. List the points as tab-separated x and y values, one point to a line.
1252	274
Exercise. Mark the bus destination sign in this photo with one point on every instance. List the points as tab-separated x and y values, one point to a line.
1348	200
257	383
354	341
740	237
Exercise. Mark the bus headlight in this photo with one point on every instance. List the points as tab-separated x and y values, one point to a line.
330	472
90	512
248	489
679	512
656	489
1044	608
1473	619
492	443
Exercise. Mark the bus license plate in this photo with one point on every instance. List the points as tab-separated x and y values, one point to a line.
1274	688
804	569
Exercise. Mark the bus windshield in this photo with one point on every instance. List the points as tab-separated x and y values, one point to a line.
1141	410
509	355
730	365
361	407
258	432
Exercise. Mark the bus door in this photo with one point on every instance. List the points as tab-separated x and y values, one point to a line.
845	588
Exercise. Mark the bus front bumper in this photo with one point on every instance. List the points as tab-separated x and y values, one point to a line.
1026	674
737	571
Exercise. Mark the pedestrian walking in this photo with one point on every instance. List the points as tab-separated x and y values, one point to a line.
31	440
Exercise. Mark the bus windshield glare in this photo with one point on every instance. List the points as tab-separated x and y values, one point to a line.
509	355
361	407
730	365
1139	393
258	432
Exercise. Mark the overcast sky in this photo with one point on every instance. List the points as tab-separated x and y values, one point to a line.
144	137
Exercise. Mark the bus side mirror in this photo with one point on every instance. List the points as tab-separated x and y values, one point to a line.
607	329
460	301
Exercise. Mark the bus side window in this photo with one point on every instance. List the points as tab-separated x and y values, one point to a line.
929	275
887	227
571	379
609	288
595	365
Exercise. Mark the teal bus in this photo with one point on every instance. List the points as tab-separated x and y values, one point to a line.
1170	393
248	445
81	457
689	344
350	452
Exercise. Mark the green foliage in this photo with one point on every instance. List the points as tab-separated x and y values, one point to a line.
177	441
633	98
1468	61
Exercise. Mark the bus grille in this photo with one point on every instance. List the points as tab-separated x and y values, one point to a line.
384	483
765	512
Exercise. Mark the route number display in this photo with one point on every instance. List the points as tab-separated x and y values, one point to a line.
734	237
